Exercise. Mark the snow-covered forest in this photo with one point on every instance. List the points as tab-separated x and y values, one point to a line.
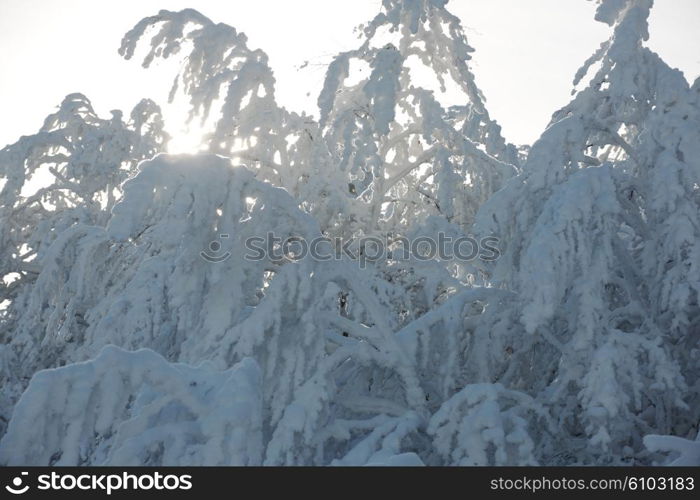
136	328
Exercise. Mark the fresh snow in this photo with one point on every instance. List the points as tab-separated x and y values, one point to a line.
120	344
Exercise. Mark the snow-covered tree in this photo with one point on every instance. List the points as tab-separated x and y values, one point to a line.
403	154
67	175
70	171
576	225
669	196
153	310
412	166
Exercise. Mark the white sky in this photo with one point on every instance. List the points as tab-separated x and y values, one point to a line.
527	51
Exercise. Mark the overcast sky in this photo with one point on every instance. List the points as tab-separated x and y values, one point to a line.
527	51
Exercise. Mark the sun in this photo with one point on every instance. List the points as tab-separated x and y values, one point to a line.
186	136
185	143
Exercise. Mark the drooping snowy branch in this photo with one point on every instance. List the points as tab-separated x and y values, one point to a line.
126	408
70	172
